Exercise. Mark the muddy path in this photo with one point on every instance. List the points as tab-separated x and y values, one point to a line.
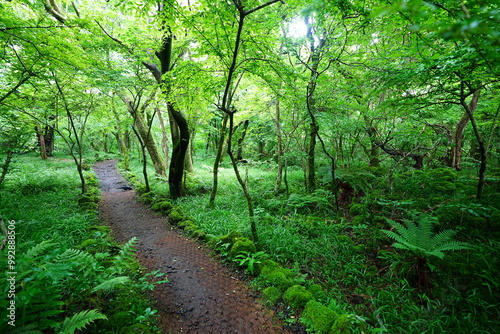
202	296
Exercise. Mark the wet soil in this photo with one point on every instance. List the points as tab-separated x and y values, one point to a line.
202	295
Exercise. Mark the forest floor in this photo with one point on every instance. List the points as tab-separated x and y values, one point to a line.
202	295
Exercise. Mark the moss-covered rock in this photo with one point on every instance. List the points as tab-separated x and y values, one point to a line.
271	295
319	317
242	245
230	238
212	240
163	206
318	292
186	223
342	324
272	274
176	215
194	231
199	234
297	296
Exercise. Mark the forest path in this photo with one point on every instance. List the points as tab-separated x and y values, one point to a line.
201	296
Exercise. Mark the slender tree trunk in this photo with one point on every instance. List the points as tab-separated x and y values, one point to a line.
239	154
242	183
176	170
163	136
5	166
178	123
469	109
457	142
218	159
49	138
41	142
143	130
279	150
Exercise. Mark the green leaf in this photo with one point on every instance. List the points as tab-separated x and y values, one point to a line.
80	320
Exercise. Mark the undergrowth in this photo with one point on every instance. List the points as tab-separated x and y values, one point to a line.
70	276
349	254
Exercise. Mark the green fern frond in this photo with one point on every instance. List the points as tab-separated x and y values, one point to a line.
75	255
111	283
419	238
80	320
128	249
38	249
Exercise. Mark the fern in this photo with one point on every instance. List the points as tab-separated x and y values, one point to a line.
418	238
38	249
110	284
80	320
122	261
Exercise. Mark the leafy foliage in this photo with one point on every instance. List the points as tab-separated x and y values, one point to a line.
80	320
418	238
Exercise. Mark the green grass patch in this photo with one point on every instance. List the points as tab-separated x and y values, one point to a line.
370	284
69	273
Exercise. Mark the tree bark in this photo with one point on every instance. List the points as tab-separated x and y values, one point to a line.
178	124
144	131
41	142
239	153
163	136
218	159
469	109
5	166
279	149
457	142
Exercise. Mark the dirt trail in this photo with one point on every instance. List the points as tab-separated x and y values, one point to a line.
202	296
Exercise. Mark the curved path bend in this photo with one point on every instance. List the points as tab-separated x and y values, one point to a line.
201	296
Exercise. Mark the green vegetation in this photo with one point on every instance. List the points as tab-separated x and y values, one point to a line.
71	275
318	132
347	262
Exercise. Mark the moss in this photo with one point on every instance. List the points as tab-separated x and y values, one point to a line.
341	325
242	245
320	317
186	224
272	274
297	296
271	295
198	234
176	215
317	292
230	238
147	198
195	232
211	240
163	206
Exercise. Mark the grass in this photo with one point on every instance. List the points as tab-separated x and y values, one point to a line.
348	254
42	198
